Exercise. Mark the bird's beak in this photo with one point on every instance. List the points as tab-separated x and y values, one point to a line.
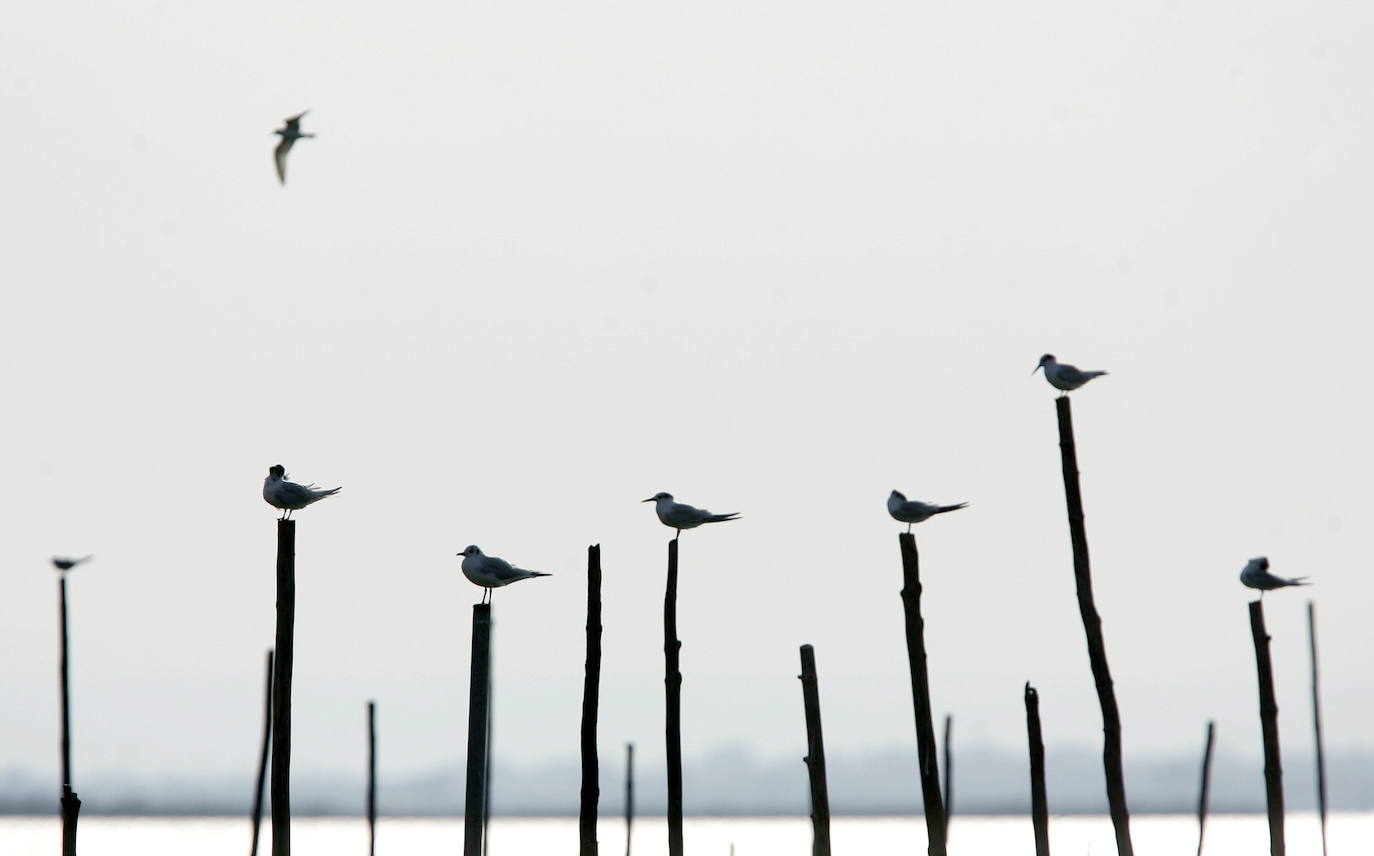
650	499
1036	369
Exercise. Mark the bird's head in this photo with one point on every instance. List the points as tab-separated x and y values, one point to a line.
471	550
1261	561
1044	361
897	495
663	494
277	471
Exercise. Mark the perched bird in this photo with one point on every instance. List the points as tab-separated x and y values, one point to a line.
489	572
289	133
288	495
1256	576
63	565
1062	375
681	516
911	511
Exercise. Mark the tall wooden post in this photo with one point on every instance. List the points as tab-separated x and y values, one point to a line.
1206	784
672	681
949	773
629	793
920	695
1269	728
281	688
591	696
1317	721
371	778
815	755
262	756
474	807
1092	629
1040	809
70	804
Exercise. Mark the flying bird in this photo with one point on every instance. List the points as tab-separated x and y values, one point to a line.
911	511
491	572
680	516
289	133
63	564
1256	576
1062	375
288	495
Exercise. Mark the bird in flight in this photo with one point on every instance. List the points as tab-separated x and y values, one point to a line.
680	516
1256	576
491	572
911	511
289	133
289	496
63	564
1062	375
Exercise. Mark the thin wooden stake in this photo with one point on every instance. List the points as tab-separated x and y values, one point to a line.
949	774
629	793
281	688
1269	727
70	805
591	696
1317	720
672	681
474	806
1092	629
262	755
1040	808
815	754
920	695
371	778
1206	784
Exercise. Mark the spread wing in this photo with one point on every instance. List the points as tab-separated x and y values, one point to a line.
282	149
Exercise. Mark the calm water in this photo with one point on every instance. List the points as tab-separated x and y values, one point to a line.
1350	834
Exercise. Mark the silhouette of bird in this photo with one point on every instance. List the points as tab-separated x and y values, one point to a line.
63	564
1062	375
289	133
911	511
491	572
288	495
1256	576
680	516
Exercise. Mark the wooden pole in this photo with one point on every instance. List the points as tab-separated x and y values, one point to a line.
1092	629
371	778
920	695
629	793
1269	727
949	774
1040	807
475	804
262	756
1317	721
591	696
815	755
281	689
70	805
672	681
486	782
1206	783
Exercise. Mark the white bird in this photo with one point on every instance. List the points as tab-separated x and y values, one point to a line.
1062	375
63	564
289	133
491	572
680	516
911	511
288	495
1256	576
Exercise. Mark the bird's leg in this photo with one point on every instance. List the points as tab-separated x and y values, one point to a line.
908	529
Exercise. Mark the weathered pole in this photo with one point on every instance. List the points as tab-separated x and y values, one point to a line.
474	806
486	781
629	793
1092	629
1317	721
1206	783
1040	807
815	754
262	756
591	696
371	778
1269	728
920	696
70	805
281	688
949	774
672	682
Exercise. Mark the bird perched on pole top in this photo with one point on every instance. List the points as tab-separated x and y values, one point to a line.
491	572
680	516
1062	375
63	564
289	496
1256	576
911	511
289	133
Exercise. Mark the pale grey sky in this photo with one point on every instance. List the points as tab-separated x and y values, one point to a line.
543	261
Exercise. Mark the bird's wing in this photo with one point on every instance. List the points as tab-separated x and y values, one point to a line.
282	148
1071	374
293	123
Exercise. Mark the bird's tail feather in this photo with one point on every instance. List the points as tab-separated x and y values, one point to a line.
721	518
942	509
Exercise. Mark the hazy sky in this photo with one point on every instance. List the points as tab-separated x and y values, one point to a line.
545	260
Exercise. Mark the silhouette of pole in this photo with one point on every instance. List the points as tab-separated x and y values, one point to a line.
262	756
281	688
71	806
486	782
920	695
1317	721
949	775
1040	806
1206	784
629	793
1092	629
815	755
591	697
672	681
1269	727
478	686
371	778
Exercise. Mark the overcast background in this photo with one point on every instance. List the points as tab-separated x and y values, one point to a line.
545	260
